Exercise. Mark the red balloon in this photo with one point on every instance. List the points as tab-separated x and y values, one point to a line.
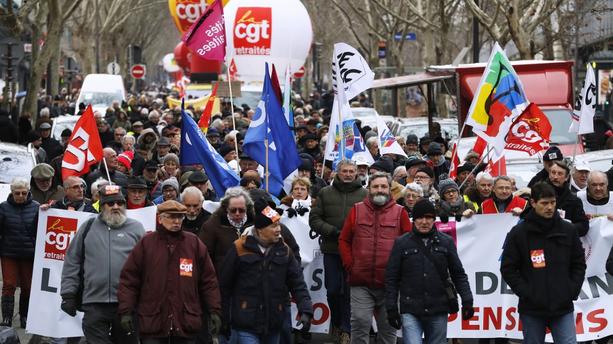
181	51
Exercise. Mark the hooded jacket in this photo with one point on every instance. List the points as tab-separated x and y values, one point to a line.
331	208
544	264
143	139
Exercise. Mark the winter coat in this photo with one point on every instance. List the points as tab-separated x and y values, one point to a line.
412	275
84	205
446	210
331	208
194	226
541	176
52	147
489	205
219	236
55	193
147	139
367	238
8	129
573	209
18	227
102	254
544	264
170	281
254	286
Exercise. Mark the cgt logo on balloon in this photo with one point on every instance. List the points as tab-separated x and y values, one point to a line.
252	30
60	231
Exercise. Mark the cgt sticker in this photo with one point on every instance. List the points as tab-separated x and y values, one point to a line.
538	259
186	267
60	231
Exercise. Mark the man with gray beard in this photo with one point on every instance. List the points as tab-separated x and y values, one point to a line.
365	244
92	266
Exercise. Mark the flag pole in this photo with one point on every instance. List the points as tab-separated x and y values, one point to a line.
266	173
232	111
477	165
106	168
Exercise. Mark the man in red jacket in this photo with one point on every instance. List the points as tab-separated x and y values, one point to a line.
365	244
170	281
502	200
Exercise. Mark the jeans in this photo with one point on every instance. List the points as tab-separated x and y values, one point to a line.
171	340
286	330
244	337
365	303
337	290
101	318
433	327
562	329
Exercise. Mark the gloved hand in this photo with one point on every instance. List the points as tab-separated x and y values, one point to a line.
69	306
467	312
215	323
127	323
393	318
305	320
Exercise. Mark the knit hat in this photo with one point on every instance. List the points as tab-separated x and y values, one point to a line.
435	148
426	170
384	164
307	165
446	185
125	159
412	138
42	171
423	208
172	181
170	157
553	153
265	215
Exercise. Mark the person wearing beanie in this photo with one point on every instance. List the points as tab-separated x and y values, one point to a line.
152	269
502	200
327	218
412	146
125	162
92	265
170	191
436	159
552	154
425	177
420	282
241	274
310	145
364	244
451	203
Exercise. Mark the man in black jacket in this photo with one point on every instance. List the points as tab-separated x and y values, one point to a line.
551	155
544	264
424	304
569	206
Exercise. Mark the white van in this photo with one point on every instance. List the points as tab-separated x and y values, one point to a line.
100	90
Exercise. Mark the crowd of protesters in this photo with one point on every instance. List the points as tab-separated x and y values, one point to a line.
239	261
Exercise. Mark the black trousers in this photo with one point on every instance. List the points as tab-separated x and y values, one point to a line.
101	325
171	340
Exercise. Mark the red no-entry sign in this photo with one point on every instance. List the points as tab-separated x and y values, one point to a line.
138	71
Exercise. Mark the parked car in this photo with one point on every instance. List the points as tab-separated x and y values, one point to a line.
368	116
15	161
419	126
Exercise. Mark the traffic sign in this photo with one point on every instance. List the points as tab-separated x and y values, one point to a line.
113	68
299	73
138	71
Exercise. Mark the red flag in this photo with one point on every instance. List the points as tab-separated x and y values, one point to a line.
84	147
209	108
453	170
275	84
207	36
232	70
530	132
479	146
497	168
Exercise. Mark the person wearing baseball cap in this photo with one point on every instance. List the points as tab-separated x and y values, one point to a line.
92	265
579	174
241	275
411	276
151	270
552	154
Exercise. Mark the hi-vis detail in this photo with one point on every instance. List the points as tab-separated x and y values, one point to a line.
60	232
253	30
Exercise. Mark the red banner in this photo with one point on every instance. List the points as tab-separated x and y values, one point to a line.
84	147
530	132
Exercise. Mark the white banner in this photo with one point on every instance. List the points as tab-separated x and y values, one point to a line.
56	228
314	278
480	241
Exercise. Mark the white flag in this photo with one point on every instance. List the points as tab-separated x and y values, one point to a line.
350	70
387	141
583	116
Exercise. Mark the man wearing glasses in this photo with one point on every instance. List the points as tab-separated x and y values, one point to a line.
502	200
74	197
92	266
169	259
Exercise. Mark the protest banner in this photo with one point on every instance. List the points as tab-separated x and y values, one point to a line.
314	278
56	228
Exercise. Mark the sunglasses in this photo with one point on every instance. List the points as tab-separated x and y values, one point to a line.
237	210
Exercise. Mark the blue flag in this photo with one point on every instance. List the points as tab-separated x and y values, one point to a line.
269	123
196	149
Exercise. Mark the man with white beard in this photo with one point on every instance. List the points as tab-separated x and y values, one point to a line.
92	266
195	216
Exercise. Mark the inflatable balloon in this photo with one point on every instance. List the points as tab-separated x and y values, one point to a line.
185	12
259	31
170	64
181	51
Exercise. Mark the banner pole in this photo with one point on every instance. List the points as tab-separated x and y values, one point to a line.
477	165
232	112
266	173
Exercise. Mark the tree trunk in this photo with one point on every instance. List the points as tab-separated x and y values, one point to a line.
519	36
549	41
54	70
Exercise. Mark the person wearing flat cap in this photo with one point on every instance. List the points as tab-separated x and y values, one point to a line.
166	260
92	266
254	299
418	268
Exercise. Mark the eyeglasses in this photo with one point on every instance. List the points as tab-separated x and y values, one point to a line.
175	217
19	193
78	186
114	203
237	210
